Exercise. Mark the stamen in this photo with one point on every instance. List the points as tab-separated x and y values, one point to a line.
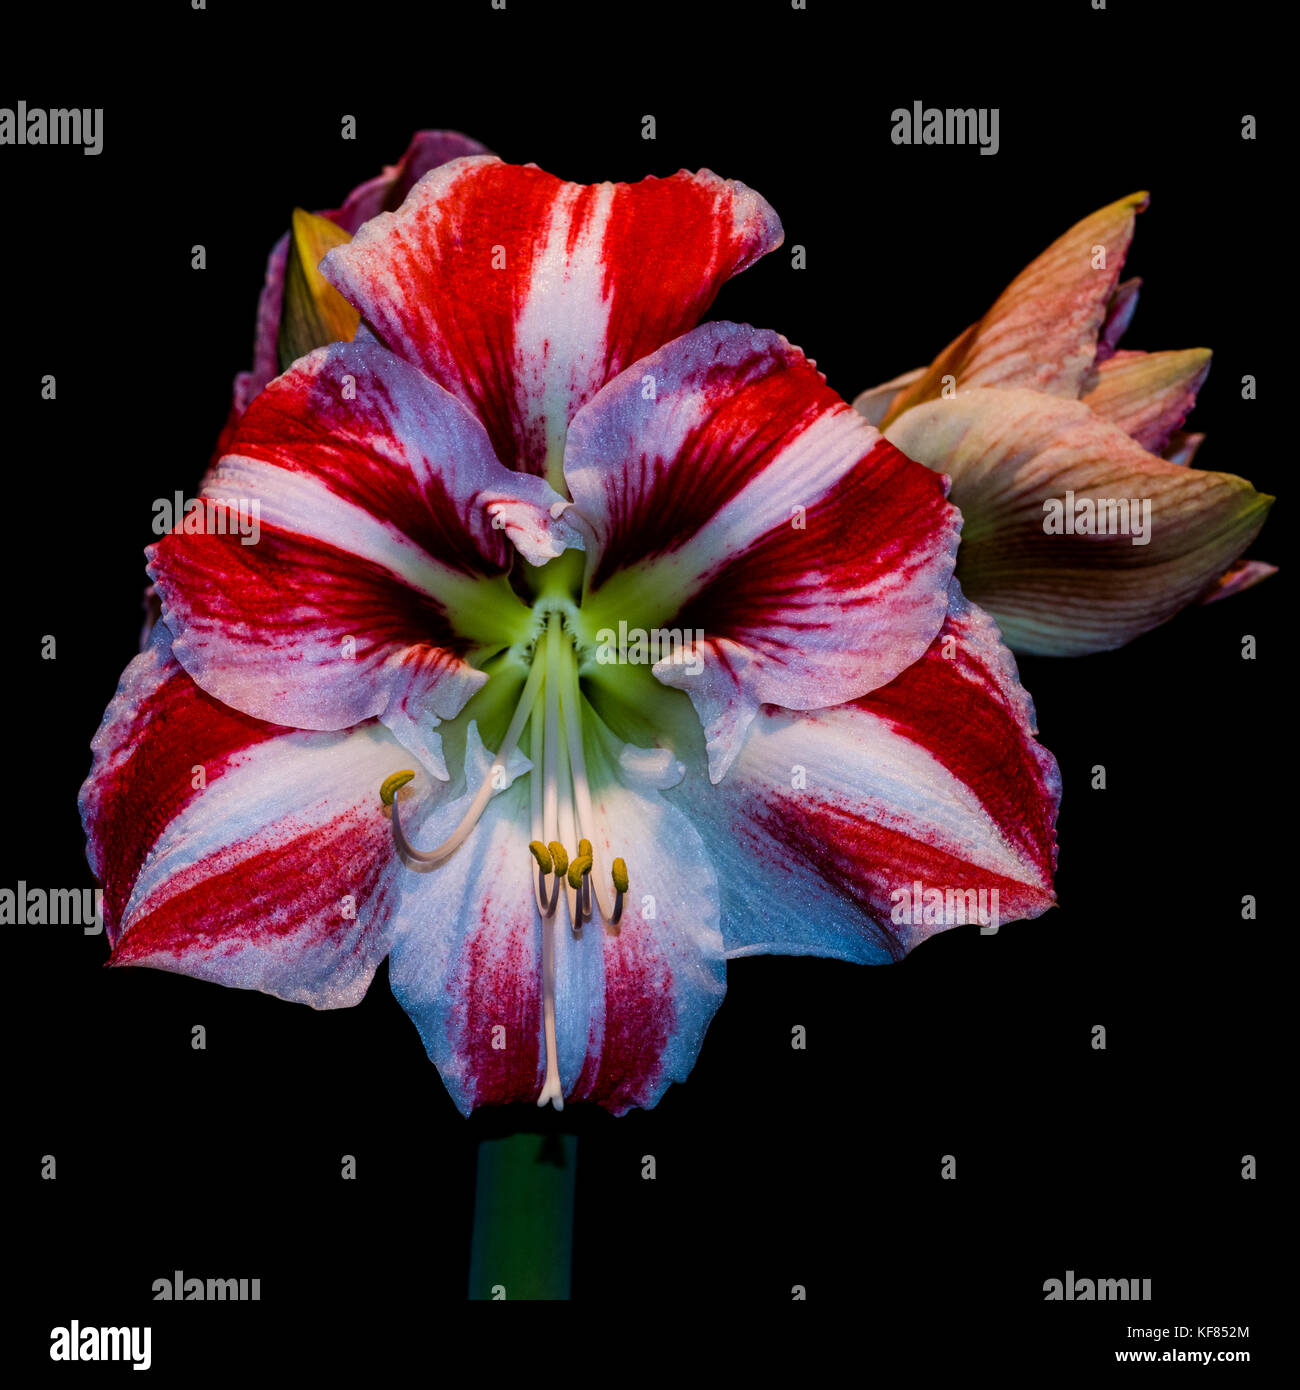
541	854
388	788
453	842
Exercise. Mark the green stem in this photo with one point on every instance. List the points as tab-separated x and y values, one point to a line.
522	1245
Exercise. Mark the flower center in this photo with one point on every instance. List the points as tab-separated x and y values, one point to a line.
561	814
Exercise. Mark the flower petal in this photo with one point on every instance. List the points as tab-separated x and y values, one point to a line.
1149	394
1119	314
1019	460
935	778
466	955
639	998
427	150
523	295
385	533
632	1005
873	404
744	503
313	313
234	850
1042	330
1182	446
1245	574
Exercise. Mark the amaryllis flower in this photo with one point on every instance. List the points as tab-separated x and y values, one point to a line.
1085	524
581	649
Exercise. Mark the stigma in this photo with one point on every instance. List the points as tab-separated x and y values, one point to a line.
560	811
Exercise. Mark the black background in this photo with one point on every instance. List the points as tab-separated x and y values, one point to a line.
775	1168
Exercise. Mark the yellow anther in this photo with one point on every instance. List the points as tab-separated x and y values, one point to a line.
576	870
619	870
584	847
390	785
542	855
560	855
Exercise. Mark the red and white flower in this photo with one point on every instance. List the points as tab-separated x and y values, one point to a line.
529	446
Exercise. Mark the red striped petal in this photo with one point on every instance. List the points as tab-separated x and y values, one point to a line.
386	528
234	850
466	955
523	294
936	778
743	500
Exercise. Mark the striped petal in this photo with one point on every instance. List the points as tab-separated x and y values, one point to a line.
1075	538
827	819
523	294
386	529
736	498
1042	332
427	150
1149	394
631	1006
466	955
237	851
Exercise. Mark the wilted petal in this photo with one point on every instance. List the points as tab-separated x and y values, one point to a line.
935	778
429	149
1119	314
1182	446
386	530
1149	394
523	294
1042	331
1013	457
313	313
238	851
743	500
1245	574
